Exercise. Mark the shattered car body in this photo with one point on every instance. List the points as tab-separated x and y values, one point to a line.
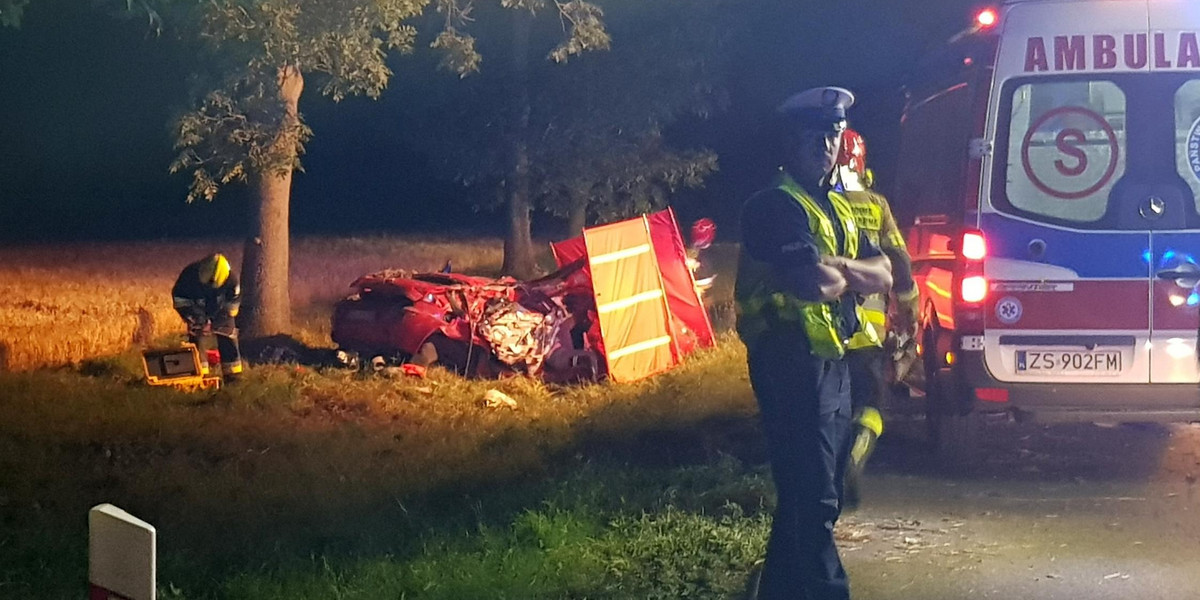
476	326
624	305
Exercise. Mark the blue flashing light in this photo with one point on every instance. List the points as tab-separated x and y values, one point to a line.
1193	299
1146	256
1168	255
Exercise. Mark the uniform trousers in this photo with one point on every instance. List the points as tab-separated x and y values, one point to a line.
805	406
866	376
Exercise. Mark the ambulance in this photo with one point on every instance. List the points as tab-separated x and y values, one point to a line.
1050	170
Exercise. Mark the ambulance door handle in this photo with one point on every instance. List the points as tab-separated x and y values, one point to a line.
1186	271
1037	248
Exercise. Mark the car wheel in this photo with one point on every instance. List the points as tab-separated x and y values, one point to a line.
954	439
426	355
953	436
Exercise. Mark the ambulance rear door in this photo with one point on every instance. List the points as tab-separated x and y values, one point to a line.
1175	241
1068	268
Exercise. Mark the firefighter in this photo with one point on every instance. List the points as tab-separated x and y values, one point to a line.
207	296
803	263
873	216
703	233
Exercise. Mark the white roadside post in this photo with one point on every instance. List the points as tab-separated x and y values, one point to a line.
121	555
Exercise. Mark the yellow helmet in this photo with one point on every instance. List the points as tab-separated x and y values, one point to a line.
214	270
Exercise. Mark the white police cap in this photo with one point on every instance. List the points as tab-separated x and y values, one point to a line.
818	106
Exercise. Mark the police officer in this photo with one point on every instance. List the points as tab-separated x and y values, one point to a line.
803	264
207	293
873	216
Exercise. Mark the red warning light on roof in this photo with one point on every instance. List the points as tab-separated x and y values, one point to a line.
986	17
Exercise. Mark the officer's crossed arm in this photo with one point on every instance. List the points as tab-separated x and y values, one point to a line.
775	231
831	283
871	273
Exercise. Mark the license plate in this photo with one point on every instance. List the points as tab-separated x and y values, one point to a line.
1103	362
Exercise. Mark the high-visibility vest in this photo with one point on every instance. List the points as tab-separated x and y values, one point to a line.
762	302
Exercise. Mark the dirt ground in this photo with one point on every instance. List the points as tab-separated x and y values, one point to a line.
1079	511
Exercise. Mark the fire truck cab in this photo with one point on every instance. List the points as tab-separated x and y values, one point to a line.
1050	172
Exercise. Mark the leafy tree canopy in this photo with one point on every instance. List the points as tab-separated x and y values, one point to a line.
11	11
238	127
595	127
582	20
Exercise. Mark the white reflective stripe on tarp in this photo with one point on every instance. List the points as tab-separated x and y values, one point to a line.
620	254
641	346
630	301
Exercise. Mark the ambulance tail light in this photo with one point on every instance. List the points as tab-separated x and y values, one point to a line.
972	283
974	246
974	289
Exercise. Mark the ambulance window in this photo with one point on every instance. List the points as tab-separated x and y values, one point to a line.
1066	148
1187	135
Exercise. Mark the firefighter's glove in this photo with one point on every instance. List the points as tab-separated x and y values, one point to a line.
195	326
908	313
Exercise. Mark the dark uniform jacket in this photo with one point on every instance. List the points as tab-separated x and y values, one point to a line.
198	303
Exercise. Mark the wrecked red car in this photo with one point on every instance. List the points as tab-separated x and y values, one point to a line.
476	326
624	304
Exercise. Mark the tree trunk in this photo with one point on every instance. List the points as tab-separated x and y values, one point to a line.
577	215
267	306
518	244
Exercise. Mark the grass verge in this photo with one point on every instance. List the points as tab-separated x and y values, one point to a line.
305	483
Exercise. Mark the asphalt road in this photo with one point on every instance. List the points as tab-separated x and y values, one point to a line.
1049	512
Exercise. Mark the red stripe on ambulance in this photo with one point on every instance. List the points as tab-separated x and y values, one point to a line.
1102	52
1171	308
1089	306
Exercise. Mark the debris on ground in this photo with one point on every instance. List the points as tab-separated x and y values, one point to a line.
498	399
902	540
402	371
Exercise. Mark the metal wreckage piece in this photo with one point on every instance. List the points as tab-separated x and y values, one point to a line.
520	337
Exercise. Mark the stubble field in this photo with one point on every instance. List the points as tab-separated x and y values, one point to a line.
63	303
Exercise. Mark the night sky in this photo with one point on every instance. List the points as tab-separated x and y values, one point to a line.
86	103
